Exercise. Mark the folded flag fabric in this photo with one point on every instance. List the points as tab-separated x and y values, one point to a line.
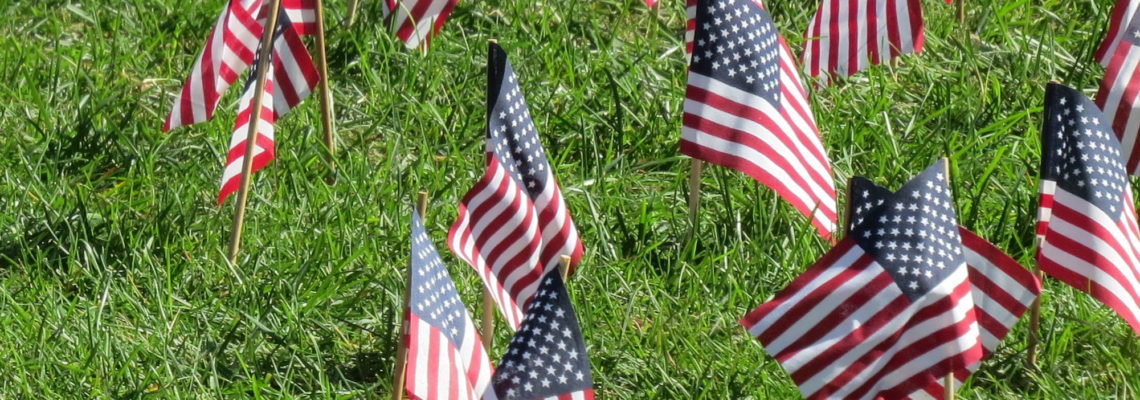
513	225
1001	288
446	358
290	78
546	358
1122	15
1119	91
1089	235
885	313
229	50
845	37
746	109
417	21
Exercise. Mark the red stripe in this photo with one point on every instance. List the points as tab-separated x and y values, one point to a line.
799	283
873	32
795	313
1127	85
413	351
814	43
893	34
833	38
825	358
1114	23
853	24
839	313
917	25
1000	259
1078	248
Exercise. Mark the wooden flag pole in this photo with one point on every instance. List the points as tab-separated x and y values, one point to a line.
961	11
948	383
251	137
1035	318
488	326
564	267
401	367
326	95
694	192
351	17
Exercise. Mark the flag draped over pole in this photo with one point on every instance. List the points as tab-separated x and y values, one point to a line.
513	225
1090	239
888	311
445	355
1001	288
546	358
746	109
845	37
417	21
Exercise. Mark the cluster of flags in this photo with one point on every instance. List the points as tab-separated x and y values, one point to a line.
514	229
905	302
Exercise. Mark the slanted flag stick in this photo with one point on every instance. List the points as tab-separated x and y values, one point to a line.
251	138
961	11
488	323
564	267
326	95
1035	319
694	192
398	373
351	17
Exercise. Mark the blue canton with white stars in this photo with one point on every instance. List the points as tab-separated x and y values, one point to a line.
433	297
865	196
913	234
1080	151
547	356
511	136
737	43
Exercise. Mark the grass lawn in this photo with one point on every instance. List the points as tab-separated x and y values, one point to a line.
113	280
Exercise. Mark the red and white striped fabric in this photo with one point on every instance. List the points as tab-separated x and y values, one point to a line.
513	224
446	358
229	51
292	76
845	37
887	311
303	14
1090	237
1119	93
1122	15
746	109
417	21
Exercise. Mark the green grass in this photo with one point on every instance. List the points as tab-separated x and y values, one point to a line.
113	282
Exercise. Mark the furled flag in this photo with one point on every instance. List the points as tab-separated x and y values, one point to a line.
514	224
229	50
1002	289
845	37
290	78
1090	239
887	311
417	21
1122	15
1118	94
446	358
546	358
746	109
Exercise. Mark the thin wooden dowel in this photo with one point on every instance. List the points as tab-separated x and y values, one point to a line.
564	268
694	192
488	325
326	94
656	8
401	367
1035	319
948	383
351	17
251	136
848	213
961	11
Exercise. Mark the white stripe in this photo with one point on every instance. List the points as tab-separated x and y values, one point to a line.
902	19
861	33
1126	261
826	305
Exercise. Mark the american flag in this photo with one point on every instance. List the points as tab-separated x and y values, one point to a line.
417	21
290	78
513	225
1002	289
1122	15
845	37
546	358
887	311
303	14
446	358
1119	92
1090	237
746	109
230	49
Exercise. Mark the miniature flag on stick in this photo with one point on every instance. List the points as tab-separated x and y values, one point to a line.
886	312
1087	218
546	358
746	109
1001	288
417	21
445	355
513	225
845	37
